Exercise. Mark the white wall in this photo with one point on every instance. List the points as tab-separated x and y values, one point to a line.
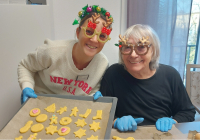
24	27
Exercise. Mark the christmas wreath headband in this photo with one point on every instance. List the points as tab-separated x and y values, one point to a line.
88	9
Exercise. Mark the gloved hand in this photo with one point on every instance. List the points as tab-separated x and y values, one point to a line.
127	123
27	93
164	124
97	95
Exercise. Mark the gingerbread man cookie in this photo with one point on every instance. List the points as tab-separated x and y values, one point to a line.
74	111
53	119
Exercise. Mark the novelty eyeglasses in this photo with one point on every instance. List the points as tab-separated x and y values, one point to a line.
90	30
141	48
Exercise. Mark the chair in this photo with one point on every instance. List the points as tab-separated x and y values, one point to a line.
193	85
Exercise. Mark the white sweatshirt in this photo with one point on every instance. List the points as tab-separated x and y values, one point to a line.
51	70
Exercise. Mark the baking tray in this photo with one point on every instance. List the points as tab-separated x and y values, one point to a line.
110	100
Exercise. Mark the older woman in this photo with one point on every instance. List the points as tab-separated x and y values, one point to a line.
144	87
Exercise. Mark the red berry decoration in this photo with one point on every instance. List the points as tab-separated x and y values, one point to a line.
120	46
107	14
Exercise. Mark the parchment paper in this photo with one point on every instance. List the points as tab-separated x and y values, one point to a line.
148	133
11	130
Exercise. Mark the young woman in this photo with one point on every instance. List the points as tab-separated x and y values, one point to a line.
69	67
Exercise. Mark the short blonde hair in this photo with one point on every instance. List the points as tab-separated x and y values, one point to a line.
138	31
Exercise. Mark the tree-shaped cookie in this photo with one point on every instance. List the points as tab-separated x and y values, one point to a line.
51	108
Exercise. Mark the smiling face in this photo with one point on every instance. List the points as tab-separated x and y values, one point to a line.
137	63
90	46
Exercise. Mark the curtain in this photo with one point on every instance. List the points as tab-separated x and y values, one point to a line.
170	19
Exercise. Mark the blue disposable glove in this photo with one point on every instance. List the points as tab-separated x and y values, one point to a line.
27	93
127	123
97	95
164	124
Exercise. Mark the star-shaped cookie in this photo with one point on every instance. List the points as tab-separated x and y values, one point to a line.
80	122
51	129
80	133
95	126
93	138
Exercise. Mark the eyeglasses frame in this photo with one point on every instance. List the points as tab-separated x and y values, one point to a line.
95	33
133	46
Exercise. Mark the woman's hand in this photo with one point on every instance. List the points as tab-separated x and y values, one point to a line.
164	124
27	93
127	123
97	95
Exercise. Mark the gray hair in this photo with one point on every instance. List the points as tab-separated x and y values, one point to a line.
138	31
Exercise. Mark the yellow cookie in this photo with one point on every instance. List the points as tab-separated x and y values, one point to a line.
80	123
74	111
93	138
63	131
51	108
65	121
118	138
37	128
80	133
32	137
19	138
98	116
60	138
88	111
34	112
51	129
41	118
26	127
95	126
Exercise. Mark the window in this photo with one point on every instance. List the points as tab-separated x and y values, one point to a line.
194	33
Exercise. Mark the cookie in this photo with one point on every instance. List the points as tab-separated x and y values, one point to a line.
34	112
41	118
63	131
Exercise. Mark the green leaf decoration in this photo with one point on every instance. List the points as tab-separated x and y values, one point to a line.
94	7
120	43
75	22
116	44
85	8
103	11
